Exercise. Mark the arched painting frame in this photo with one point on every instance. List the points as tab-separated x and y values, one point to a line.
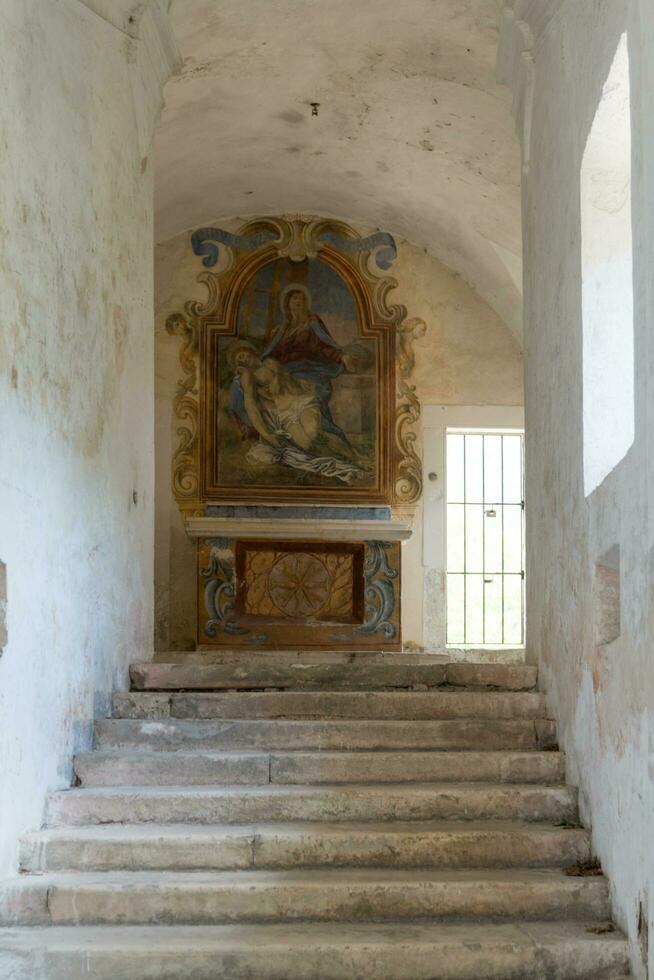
298	399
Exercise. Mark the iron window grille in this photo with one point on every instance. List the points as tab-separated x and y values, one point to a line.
485	537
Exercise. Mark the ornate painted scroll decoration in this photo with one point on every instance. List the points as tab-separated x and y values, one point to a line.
297	237
379	591
408	486
185	477
381	245
407	333
220	590
207	241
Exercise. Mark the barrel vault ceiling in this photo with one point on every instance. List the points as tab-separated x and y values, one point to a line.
382	112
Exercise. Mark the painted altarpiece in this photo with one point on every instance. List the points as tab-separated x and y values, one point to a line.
295	392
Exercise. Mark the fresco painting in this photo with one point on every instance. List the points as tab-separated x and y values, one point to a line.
297	389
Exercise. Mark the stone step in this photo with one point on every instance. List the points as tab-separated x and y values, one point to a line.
436	844
405	705
322	951
196	898
215	734
354	801
117	768
213	655
351	676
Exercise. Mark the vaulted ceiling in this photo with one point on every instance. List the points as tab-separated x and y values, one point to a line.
386	113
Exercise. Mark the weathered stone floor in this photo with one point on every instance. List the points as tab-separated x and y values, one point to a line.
386	817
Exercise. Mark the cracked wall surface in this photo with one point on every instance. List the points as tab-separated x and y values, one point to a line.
76	385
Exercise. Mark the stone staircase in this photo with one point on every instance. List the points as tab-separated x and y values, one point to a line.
291	817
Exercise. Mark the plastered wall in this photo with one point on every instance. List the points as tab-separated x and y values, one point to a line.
466	357
601	690
76	387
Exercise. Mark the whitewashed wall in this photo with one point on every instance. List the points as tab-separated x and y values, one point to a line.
79	99
601	695
468	356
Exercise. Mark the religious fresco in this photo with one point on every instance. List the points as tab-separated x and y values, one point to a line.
295	370
297	391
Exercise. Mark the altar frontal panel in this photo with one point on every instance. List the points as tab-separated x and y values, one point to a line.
277	595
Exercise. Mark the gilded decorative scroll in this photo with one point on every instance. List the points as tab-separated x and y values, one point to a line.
185	476
408	486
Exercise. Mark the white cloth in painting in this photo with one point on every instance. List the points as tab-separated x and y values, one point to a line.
301	460
278	421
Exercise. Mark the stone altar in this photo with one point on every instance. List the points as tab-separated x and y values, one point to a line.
278	582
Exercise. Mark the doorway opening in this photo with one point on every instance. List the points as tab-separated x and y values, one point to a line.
485	537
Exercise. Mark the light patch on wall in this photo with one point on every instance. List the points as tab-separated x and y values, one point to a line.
607	279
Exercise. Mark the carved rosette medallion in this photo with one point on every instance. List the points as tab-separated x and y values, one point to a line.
299	585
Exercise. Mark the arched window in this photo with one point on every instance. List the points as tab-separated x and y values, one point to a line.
607	279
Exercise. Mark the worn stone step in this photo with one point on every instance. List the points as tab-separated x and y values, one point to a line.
398	766
443	704
322	951
352	676
117	768
434	844
195	898
354	801
214	655
132	768
243	655
215	734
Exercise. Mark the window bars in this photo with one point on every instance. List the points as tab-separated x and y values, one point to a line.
485	538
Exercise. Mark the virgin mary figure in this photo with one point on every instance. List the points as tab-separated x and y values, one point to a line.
305	347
